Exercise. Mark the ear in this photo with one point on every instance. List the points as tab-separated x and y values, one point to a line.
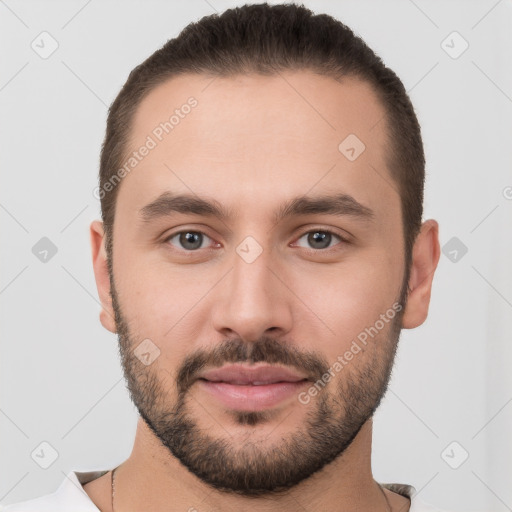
426	252
99	262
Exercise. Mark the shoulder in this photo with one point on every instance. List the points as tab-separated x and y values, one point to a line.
70	495
46	503
416	503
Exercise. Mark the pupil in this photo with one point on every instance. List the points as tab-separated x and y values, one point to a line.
322	237
191	238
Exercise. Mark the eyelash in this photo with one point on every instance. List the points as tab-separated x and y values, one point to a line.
315	230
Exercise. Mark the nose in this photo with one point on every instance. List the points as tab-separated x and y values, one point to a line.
252	301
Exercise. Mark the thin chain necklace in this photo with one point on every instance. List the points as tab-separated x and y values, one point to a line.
114	491
385	497
113	487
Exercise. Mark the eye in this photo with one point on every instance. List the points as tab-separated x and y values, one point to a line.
189	240
320	238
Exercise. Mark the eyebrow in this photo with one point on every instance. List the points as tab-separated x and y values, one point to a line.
331	204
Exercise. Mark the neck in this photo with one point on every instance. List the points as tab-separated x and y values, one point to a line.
152	479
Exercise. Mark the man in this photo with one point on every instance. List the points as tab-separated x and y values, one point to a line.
262	246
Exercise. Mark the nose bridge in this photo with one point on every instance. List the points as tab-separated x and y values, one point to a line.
251	275
252	299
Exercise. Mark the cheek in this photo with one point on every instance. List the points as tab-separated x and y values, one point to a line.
160	300
347	299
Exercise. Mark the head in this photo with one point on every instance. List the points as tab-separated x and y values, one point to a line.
300	242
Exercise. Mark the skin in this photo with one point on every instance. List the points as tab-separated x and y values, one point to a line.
252	143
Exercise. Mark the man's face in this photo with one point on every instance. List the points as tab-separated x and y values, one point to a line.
294	294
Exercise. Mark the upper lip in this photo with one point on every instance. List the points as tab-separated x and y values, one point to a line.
243	375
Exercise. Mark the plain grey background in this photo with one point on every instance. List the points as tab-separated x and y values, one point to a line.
61	382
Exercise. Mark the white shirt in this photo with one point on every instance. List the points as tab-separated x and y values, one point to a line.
71	497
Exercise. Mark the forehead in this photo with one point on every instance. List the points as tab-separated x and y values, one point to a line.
255	137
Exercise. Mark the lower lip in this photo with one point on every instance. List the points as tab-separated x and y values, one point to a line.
250	397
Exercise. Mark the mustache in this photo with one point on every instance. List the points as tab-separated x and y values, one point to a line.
265	349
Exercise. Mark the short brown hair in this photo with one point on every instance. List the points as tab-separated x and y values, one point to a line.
266	39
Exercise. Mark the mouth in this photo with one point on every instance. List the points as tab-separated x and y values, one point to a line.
251	383
252	396
251	387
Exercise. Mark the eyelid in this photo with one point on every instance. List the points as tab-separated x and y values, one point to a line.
344	235
167	238
345	239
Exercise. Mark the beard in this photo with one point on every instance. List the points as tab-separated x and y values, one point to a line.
250	469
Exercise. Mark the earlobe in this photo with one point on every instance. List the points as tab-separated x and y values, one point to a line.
426	252
99	262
